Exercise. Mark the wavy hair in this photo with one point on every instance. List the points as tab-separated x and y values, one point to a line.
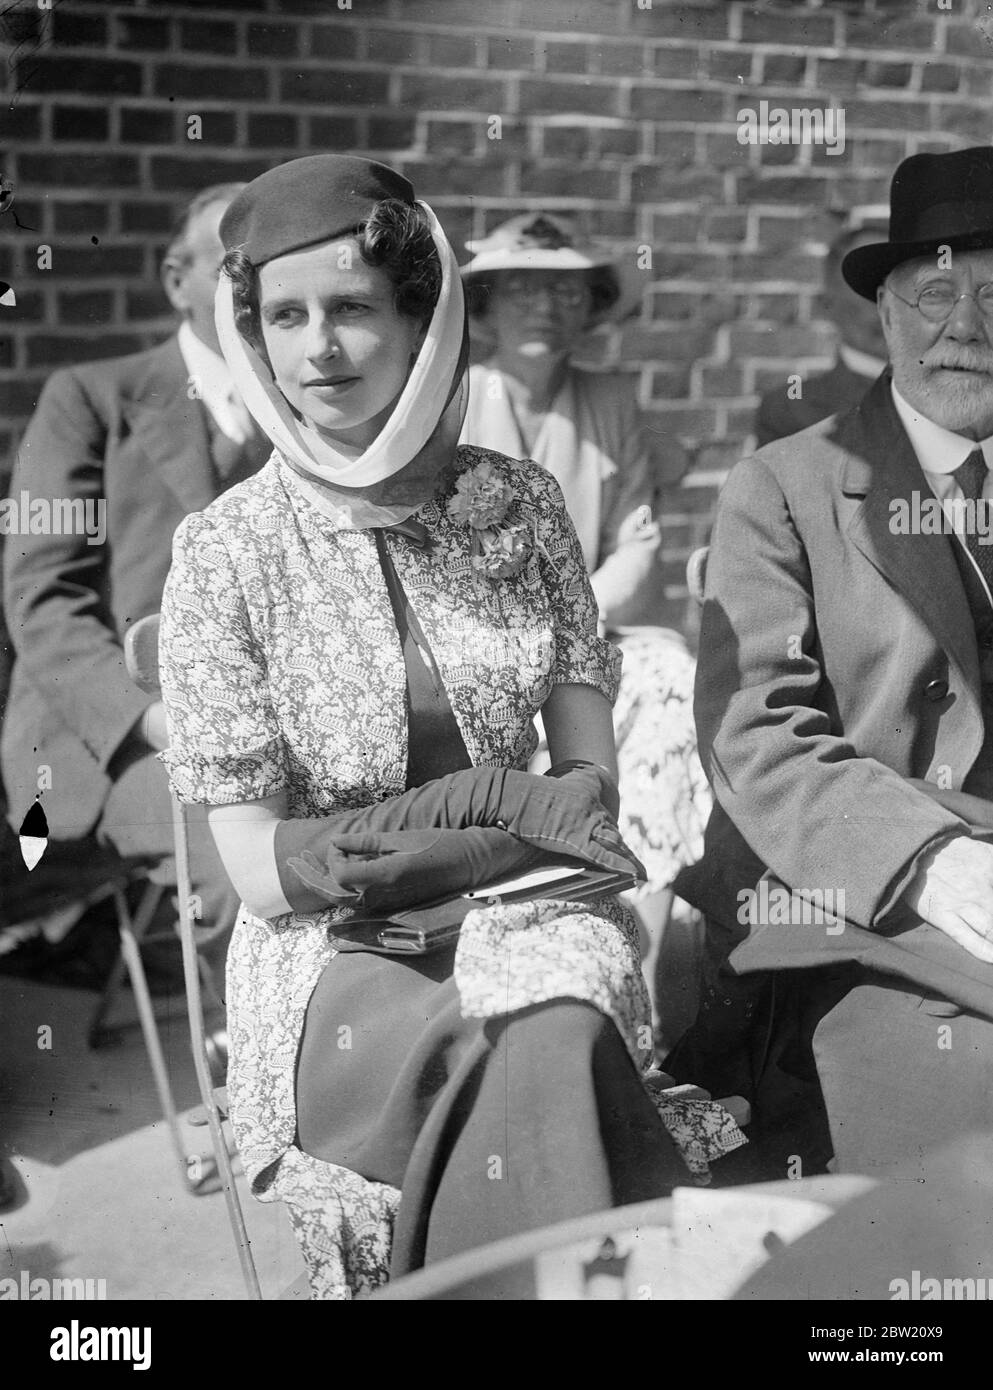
396	238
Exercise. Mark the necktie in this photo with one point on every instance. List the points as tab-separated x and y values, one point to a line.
971	478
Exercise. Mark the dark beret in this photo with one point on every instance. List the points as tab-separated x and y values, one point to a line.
307	201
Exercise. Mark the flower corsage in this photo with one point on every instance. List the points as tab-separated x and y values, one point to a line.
501	541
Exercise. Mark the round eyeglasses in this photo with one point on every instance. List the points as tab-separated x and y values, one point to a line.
936	302
567	293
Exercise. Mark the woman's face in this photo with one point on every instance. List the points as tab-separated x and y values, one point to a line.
538	312
340	352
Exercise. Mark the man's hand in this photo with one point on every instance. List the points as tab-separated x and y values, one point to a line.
953	890
152	727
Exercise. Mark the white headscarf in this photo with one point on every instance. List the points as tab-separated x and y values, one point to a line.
419	437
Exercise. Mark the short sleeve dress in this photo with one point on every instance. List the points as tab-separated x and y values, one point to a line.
282	672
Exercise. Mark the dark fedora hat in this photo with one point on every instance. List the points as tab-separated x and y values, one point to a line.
935	200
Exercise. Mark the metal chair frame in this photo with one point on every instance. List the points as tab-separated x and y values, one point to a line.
141	640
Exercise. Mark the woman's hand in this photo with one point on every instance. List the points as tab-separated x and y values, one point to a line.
628	571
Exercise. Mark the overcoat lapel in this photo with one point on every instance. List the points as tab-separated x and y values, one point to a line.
170	430
882	468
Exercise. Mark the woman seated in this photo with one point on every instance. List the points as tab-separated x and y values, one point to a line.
533	293
354	645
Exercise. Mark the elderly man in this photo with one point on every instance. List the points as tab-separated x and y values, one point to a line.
844	707
143	440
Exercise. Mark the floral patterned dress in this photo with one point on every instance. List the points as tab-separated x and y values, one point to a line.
282	672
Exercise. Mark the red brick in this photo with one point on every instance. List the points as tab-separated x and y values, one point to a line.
451	51
86	217
700	263
751	267
335	41
149	125
724	65
141	32
787	26
684	62
47	350
334	132
457	178
623	60
109	258
21	123
542	180
217	128
77	31
611	222
722	379
144	304
779	308
212	81
618	140
21	396
727	225
386	47
392	132
975	122
274	41
797	190
85	306
779	342
208	35
567	57
567	142
595	98
673	149
81	123
678	104
788	69
429	92
837	74
875	32
79	170
103	76
966	40
863	115
679	21
671	228
272	130
6	353
941	77
332	86
882	74
199	170
452	137
516	54
148	217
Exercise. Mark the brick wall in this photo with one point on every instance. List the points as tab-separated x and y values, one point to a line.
622	111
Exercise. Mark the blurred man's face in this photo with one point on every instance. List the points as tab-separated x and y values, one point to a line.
191	272
856	319
943	369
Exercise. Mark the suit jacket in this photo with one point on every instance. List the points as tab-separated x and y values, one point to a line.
124	432
828	394
837	658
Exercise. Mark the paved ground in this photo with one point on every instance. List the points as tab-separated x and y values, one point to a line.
101	1195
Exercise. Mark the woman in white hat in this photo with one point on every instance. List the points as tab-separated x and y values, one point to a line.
534	290
354	644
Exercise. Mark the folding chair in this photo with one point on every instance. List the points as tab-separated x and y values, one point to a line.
141	656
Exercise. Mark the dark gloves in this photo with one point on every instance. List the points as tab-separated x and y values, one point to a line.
381	871
561	815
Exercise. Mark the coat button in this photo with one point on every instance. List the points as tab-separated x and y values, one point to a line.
936	690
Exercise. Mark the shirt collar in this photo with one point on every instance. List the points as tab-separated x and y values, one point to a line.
208	367
861	363
938	450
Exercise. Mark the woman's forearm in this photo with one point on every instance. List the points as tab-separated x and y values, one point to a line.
579	724
245	836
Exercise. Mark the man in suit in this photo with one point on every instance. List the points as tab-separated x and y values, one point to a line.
144	440
844	706
861	353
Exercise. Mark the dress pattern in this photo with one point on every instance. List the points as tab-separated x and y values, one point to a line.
282	672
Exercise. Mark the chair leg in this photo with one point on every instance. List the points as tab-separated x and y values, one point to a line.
140	921
132	958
